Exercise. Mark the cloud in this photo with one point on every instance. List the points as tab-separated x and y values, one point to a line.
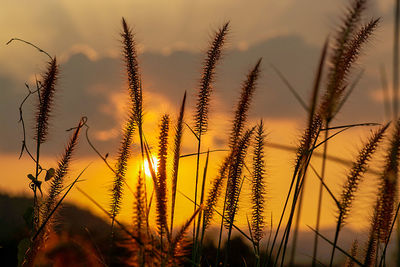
96	88
12	94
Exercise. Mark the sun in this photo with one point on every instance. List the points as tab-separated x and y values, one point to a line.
147	171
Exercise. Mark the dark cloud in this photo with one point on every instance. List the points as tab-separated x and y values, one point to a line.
85	88
11	94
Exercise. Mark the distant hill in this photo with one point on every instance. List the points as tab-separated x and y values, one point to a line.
72	221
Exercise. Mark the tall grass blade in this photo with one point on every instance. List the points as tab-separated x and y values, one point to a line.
177	156
312	119
197	245
290	87
338	248
385	91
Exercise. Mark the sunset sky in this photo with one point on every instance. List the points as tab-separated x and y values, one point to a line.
172	37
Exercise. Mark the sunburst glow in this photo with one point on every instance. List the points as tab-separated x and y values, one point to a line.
147	166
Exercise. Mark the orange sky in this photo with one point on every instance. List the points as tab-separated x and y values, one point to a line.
85	36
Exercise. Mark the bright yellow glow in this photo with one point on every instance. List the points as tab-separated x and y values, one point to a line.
147	166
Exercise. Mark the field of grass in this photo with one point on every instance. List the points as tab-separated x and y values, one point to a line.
211	235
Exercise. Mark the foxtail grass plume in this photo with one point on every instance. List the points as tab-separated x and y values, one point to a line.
347	48
203	98
132	69
388	189
139	207
161	187
179	244
46	99
371	245
357	171
124	154
385	203
354	177
248	89
215	192
57	182
354	51
353	253
258	184
307	140
235	176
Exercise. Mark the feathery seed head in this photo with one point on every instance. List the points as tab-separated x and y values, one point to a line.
57	183
132	69
121	167
46	99
243	106
347	47
139	206
235	175
215	192
258	184
357	171
203	98
388	189
308	139
353	253
161	187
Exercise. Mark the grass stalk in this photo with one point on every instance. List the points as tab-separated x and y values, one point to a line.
201	117
177	150
320	194
197	245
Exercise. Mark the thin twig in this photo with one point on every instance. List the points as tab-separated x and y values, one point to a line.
31	44
290	87
326	187
21	120
204	152
351	125
193	132
105	159
338	248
